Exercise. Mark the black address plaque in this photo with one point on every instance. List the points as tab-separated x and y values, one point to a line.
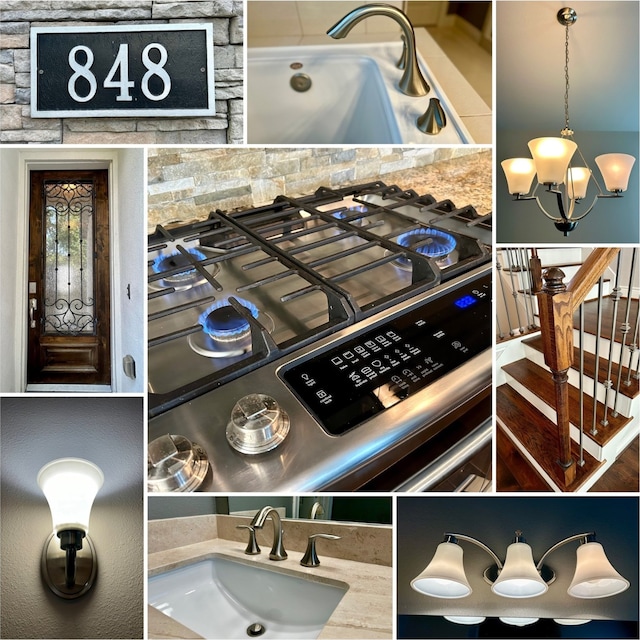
111	71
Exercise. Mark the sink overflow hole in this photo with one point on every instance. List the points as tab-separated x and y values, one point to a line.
256	629
296	65
300	82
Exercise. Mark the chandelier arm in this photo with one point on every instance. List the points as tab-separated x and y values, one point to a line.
592	176
546	213
579	536
462	536
588	211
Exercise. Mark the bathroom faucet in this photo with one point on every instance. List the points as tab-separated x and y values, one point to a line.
316	510
412	82
277	550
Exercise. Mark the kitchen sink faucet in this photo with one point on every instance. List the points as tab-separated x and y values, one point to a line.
277	550
412	82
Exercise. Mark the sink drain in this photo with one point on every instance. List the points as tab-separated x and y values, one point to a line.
300	82
256	629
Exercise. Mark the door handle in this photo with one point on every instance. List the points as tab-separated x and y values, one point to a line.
33	305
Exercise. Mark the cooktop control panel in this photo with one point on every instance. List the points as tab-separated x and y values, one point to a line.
363	376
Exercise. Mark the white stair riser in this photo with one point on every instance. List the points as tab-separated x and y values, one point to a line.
605	345
624	402
560	255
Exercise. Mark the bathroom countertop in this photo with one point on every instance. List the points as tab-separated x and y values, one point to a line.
364	612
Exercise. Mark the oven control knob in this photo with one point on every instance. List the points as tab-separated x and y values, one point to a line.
176	464
257	424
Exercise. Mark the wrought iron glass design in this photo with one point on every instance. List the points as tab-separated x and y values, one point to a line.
68	261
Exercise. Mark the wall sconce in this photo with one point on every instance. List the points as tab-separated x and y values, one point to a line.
551	159
519	576
70	485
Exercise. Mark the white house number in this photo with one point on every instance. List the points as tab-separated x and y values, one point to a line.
121	67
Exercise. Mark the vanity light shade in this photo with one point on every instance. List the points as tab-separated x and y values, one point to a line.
577	182
615	169
595	577
70	486
519	173
552	157
519	577
518	622
570	622
465	619
444	576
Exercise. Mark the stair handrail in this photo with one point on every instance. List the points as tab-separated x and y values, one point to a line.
557	303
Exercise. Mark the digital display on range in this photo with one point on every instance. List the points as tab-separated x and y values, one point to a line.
363	376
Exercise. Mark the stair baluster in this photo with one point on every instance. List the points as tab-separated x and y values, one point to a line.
624	329
608	384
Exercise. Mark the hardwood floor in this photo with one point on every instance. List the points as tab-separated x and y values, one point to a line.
622	476
623	473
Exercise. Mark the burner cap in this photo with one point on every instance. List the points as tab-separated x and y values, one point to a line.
432	242
222	322
176	259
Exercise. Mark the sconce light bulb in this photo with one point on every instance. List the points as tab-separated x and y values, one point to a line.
70	486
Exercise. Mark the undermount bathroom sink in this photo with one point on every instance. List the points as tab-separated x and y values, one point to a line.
353	97
220	597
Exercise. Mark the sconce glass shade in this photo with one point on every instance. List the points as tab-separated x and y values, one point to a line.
518	622
570	622
465	619
615	169
70	486
595	577
444	576
577	182
519	577
519	173
552	157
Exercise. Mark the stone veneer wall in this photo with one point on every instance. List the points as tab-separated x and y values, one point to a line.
185	184
18	16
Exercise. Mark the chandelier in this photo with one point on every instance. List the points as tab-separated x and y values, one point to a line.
551	161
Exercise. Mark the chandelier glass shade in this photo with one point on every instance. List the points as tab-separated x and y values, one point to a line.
551	160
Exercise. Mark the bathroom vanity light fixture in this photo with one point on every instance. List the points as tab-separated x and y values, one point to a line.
69	562
519	576
551	161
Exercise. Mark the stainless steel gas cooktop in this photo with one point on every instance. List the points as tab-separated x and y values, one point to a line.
314	342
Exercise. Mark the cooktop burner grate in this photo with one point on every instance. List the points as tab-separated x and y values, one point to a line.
240	289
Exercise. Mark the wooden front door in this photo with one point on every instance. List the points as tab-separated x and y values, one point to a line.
69	302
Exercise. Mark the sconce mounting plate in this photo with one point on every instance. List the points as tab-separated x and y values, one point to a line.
53	568
491	573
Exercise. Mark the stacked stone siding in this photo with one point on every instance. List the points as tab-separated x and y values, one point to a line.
18	16
186	184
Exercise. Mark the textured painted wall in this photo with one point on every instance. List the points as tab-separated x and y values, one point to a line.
18	16
109	432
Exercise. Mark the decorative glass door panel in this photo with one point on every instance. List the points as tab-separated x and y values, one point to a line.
69	322
68	262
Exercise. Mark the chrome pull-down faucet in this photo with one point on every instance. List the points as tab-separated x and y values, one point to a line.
412	82
277	550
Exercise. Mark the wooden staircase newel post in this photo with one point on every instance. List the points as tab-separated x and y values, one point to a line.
556	323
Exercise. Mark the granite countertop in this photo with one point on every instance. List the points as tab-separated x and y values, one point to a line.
365	611
465	180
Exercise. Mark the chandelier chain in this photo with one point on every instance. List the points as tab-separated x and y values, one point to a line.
566	79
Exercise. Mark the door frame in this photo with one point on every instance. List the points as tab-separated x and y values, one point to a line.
53	160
